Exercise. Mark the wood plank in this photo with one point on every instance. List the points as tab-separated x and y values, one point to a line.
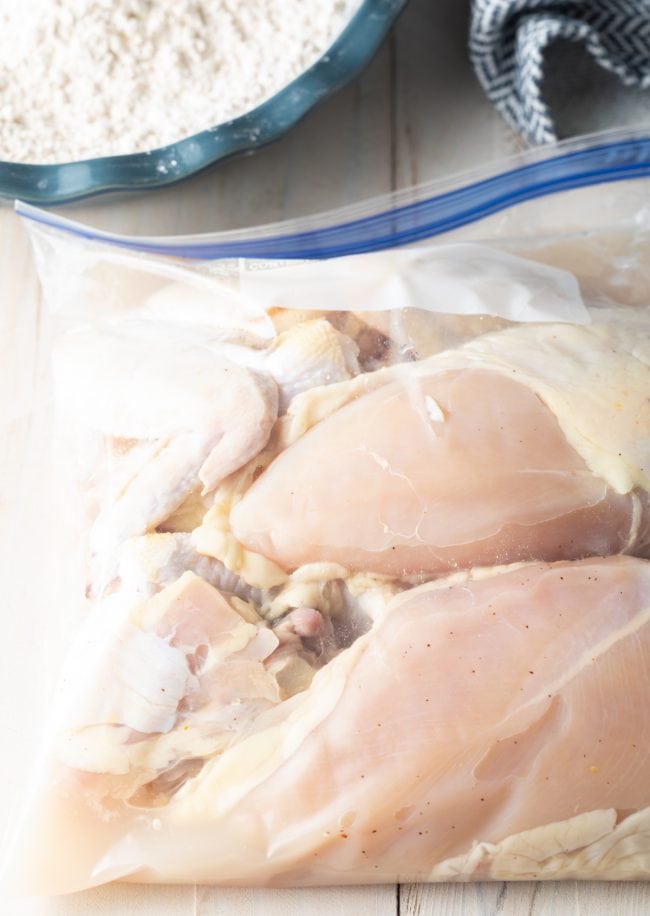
206	901
113	900
452	899
443	122
528	898
365	901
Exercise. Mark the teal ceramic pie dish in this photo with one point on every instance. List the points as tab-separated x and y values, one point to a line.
346	57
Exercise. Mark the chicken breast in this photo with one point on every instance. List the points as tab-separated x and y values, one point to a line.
492	715
526	444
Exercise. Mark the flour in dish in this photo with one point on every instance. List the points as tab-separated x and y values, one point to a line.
87	78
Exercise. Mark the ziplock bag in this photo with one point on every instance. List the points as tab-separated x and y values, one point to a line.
366	589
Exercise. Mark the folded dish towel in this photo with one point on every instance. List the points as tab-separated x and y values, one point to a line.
508	39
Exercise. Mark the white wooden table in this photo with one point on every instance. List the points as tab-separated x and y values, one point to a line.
417	113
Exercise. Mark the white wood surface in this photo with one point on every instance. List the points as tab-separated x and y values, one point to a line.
417	113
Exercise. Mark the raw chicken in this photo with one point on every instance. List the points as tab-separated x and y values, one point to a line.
489	725
177	414
202	415
373	346
262	696
305	637
175	679
304	355
532	443
154	561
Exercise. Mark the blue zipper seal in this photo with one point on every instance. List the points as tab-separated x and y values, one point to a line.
405	224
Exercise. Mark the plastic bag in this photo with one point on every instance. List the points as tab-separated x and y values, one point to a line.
366	596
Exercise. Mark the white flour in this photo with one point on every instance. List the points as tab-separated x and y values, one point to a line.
86	78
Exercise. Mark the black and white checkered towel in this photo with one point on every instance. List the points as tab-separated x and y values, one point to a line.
508	39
